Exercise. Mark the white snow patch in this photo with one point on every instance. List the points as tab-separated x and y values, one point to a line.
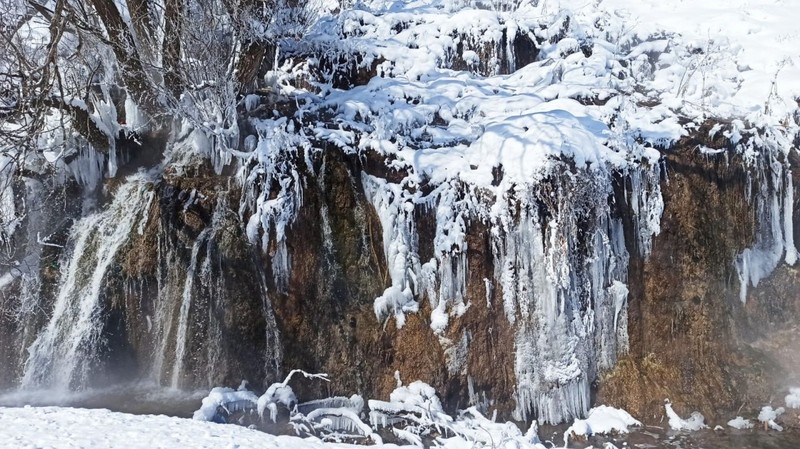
740	423
601	420
695	422
793	398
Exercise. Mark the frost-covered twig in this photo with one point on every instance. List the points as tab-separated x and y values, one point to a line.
321	376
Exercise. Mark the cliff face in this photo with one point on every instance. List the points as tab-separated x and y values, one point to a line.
692	339
327	317
188	301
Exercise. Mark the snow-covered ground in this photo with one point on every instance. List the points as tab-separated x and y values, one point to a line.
762	34
73	428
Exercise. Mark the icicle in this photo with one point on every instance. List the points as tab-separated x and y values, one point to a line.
270	212
647	205
563	274
774	238
399	245
511	36
788	218
449	268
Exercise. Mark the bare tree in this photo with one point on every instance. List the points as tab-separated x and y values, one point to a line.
79	78
77	67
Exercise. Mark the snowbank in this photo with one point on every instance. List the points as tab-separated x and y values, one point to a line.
62	428
601	420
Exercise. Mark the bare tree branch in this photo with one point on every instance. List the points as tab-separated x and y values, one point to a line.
124	48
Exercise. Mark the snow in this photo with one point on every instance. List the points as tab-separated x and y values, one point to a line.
63	428
760	35
793	398
227	398
768	415
740	423
601	420
695	422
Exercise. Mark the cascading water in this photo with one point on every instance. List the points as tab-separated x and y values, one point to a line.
30	288
193	304
177	317
186	303
63	353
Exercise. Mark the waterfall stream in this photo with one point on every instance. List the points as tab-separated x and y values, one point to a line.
62	354
186	303
173	319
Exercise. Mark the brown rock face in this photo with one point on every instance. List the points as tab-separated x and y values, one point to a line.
326	316
692	340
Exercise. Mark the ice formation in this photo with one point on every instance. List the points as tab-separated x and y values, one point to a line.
772	194
601	420
534	152
226	399
793	398
416	403
414	413
487	147
399	244
472	428
740	423
768	415
695	422
270	163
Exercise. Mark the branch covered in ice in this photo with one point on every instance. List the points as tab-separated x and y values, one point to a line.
282	393
221	402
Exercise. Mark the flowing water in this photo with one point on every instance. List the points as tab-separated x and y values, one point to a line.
64	351
177	317
137	398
